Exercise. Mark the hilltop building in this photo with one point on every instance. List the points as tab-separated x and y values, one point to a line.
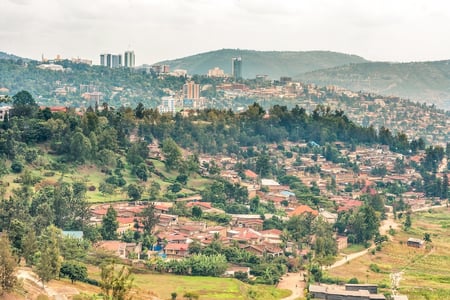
129	59
236	67
216	72
111	60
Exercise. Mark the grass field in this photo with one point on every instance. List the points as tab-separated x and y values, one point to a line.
208	288
426	272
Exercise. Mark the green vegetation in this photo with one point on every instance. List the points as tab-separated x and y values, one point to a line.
425	270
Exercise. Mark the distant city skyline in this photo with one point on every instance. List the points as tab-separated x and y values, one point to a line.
156	30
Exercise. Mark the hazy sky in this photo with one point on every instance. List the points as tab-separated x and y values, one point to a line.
389	30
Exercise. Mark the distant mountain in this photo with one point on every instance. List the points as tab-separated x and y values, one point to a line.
421	81
4	55
271	63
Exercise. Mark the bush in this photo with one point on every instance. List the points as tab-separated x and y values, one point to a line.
17	166
374	268
353	281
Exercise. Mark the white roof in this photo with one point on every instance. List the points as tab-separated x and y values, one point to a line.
269	182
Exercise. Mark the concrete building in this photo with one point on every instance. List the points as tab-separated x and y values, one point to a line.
167	105
4	112
216	72
111	60
129	59
236	67
191	90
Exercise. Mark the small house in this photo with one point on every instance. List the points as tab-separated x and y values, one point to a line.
416	243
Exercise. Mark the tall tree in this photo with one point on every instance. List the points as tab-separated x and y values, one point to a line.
24	104
7	264
49	261
110	224
172	153
149	218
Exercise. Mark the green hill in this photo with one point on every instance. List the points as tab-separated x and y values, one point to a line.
271	63
424	81
4	55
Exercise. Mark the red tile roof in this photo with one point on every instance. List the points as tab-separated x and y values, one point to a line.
300	210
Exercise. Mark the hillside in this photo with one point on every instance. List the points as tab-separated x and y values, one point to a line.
422	81
4	55
271	63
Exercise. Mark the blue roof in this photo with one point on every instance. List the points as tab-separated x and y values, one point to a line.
287	193
73	234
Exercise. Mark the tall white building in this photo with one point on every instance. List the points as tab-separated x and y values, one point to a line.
129	59
111	60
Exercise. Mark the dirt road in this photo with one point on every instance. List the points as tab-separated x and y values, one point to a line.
293	282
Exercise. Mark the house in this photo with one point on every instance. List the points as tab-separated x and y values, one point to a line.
302	209
333	292
230	271
342	242
120	249
272	236
245	235
416	243
176	251
250	175
328	217
247	221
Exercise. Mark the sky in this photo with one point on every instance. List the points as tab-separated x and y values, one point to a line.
379	30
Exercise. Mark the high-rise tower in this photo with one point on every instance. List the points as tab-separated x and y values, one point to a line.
129	59
236	67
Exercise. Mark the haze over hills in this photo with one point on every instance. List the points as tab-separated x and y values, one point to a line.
271	63
422	81
419	81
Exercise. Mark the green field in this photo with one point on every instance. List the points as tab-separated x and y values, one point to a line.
426	272
208	288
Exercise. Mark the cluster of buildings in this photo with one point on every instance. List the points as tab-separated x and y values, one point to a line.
188	98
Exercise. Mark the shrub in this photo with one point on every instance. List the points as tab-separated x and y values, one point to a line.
374	268
17	166
353	281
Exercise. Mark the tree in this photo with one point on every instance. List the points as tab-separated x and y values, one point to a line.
116	285
196	212
49	260
149	218
407	224
74	270
445	189
24	104
172	154
80	147
134	192
155	187
141	172
7	264
110	224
